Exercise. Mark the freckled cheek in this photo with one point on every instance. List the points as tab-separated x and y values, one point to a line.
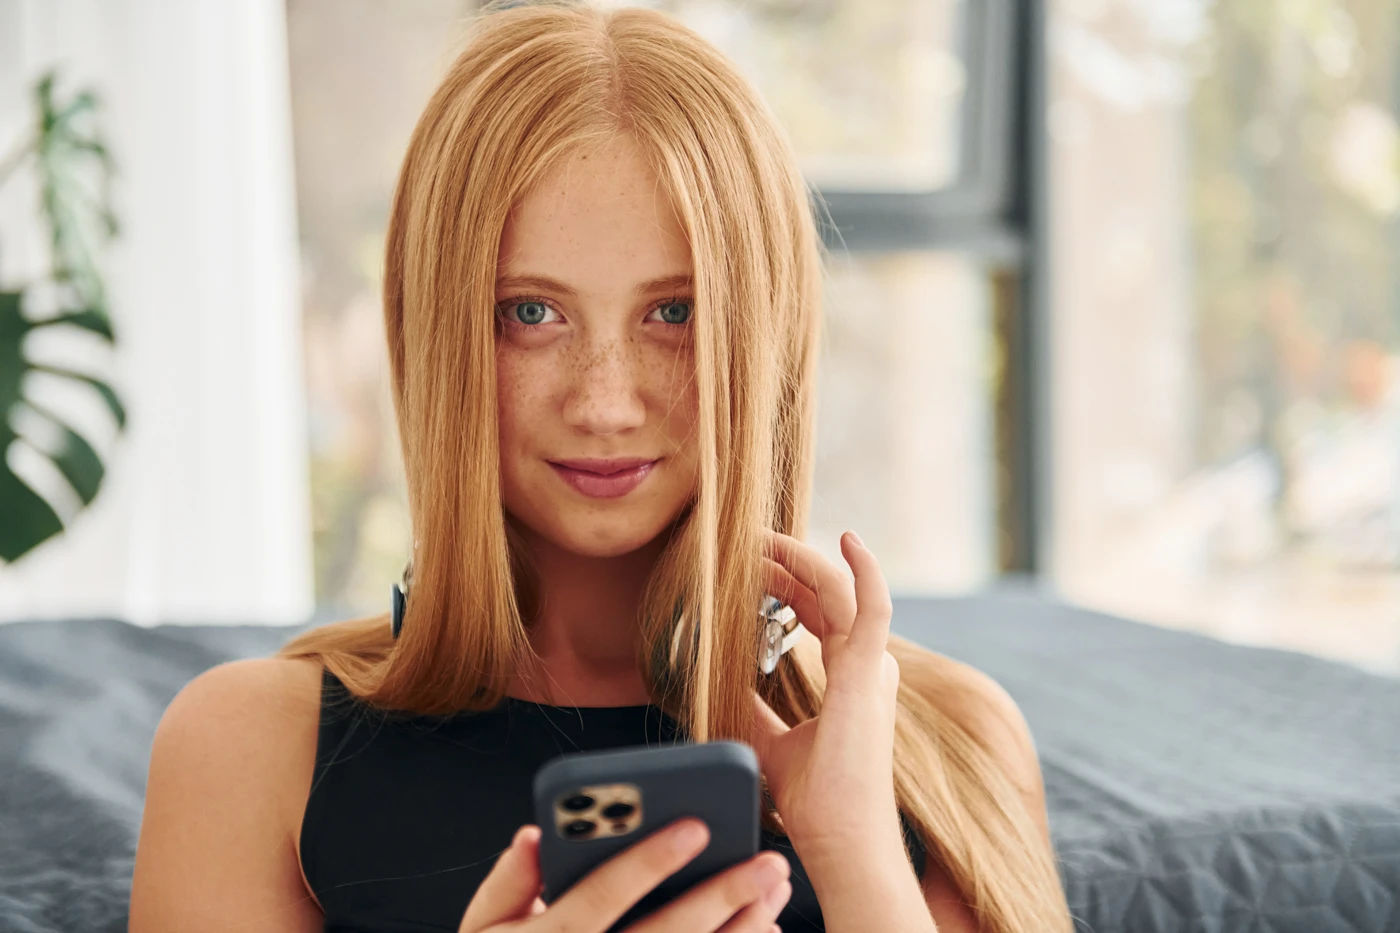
673	388
522	387
684	407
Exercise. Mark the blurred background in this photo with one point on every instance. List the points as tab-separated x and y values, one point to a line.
1112	310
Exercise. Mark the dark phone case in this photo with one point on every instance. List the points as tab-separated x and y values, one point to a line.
715	781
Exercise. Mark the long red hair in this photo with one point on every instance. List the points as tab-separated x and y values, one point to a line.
532	84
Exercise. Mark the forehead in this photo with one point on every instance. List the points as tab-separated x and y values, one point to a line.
599	221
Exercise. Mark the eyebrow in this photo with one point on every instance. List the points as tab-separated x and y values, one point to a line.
682	280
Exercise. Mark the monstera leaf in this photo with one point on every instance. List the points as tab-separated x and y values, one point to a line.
29	520
61	147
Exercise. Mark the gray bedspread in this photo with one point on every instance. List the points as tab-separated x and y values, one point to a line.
1192	785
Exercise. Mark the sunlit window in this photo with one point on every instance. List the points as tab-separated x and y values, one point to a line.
1226	181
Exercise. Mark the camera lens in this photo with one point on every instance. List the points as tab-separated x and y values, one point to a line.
578	802
578	828
616	811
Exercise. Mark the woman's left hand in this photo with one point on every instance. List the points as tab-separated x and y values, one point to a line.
832	776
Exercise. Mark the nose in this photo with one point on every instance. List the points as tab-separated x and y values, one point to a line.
605	397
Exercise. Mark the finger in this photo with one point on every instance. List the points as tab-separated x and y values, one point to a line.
758	917
835	597
870	633
715	901
810	568
513	883
606	892
768	728
784	586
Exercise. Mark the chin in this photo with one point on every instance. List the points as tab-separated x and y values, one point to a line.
594	538
589	533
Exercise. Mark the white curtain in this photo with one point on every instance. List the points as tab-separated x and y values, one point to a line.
204	516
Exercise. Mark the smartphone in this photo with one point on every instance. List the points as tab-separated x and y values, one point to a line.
592	805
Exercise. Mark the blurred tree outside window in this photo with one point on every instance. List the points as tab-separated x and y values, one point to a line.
1226	185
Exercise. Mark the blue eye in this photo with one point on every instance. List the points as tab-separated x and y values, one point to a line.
674	310
531	312
534	312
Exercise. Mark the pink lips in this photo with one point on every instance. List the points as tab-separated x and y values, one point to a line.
604	479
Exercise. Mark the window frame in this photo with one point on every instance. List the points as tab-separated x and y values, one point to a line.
994	211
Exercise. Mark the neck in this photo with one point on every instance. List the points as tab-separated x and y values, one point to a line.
586	630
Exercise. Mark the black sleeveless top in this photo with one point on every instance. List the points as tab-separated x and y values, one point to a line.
407	814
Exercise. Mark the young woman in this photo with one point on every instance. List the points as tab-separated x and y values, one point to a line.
602	296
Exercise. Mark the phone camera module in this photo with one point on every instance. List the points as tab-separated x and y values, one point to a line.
579	828
585	813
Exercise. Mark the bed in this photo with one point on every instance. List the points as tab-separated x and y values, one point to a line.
1192	785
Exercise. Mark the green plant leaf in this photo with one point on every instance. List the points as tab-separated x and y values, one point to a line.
76	221
88	319
81	102
75	457
114	404
29	519
95	147
12	330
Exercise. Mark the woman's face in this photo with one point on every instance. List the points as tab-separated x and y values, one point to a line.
596	363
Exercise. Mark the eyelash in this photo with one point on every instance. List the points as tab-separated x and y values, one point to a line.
525	299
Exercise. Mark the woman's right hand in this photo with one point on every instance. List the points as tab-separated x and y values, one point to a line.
745	898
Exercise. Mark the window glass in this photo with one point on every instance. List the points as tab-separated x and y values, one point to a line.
904	439
870	91
1225	183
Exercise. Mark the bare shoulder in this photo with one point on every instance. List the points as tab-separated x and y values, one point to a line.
266	708
230	769
236	691
286	688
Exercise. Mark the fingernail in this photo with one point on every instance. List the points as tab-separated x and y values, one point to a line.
773	870
690	836
856	538
525	834
777	897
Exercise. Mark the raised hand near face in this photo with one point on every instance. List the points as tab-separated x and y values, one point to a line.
832	776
